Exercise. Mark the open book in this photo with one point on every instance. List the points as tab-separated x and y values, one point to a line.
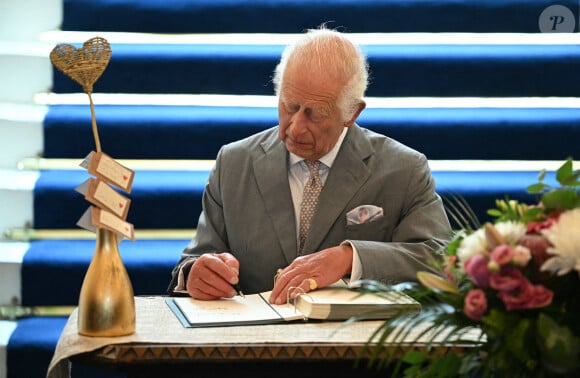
336	302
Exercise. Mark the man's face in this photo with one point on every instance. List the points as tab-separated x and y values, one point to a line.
310	122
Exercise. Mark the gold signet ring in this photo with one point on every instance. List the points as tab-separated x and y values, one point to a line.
313	284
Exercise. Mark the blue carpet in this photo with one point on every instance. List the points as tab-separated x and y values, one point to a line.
159	199
292	16
396	70
197	132
173	199
481	189
148	263
31	347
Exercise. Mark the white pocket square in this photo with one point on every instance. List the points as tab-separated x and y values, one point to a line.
364	214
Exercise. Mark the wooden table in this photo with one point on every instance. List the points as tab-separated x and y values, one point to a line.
162	347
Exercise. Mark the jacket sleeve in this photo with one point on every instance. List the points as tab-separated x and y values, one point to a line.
210	234
423	229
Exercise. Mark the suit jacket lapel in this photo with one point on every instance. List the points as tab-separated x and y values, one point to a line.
348	173
271	170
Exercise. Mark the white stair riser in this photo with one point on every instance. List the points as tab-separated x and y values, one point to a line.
19	139
16	198
25	19
23	75
6	329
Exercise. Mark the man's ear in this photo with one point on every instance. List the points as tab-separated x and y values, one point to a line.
360	107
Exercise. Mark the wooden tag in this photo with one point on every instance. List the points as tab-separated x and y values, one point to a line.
101	194
107	169
105	219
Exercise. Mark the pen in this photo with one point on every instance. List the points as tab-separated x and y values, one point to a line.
239	290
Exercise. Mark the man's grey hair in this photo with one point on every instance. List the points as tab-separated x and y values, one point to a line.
333	52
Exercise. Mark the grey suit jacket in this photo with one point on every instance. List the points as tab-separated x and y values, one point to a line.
248	210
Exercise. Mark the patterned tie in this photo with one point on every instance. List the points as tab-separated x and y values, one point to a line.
309	200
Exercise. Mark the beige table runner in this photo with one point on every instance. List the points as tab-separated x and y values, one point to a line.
156	324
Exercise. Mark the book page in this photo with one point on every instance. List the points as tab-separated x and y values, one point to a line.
349	297
253	309
342	304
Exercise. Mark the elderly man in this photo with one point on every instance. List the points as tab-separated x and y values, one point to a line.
316	198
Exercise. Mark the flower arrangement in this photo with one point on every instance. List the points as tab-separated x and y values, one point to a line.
514	280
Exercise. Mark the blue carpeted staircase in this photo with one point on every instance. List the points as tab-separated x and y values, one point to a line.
292	16
490	70
170	199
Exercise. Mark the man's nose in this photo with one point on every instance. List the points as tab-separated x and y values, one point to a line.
298	123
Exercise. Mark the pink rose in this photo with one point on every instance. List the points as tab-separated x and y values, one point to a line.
542	297
518	298
537	227
502	254
475	304
476	268
526	297
538	245
508	279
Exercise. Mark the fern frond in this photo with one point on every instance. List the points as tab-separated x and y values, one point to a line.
460	211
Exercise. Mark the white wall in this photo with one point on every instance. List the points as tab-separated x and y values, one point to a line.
24	70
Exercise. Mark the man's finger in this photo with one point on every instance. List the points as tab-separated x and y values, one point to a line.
210	275
215	262
229	260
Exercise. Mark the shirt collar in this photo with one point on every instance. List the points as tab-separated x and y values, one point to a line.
327	159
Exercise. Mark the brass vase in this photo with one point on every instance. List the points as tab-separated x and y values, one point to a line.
106	303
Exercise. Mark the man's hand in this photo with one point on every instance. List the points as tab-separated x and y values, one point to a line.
212	276
324	267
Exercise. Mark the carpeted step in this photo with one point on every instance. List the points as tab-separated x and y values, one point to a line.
172	200
159	199
197	132
32	346
292	16
63	264
397	70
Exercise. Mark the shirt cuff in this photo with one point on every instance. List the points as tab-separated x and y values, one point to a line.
356	271
184	269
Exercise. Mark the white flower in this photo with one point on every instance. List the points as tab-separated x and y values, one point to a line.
565	238
476	242
512	232
471	245
522	255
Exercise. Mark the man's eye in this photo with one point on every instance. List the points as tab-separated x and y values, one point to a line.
291	108
318	115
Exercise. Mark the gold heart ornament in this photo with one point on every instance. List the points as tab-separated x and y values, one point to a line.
84	65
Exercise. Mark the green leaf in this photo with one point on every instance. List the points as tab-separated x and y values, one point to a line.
455	242
542	175
560	348
537	188
414	357
564	172
448	365
519	340
413	371
560	199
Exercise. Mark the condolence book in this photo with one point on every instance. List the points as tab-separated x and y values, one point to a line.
332	303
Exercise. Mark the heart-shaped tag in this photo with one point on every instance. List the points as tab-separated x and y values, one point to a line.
84	65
